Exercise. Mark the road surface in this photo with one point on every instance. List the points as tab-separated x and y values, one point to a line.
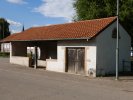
22	83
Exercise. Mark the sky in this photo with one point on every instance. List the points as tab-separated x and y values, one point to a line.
34	13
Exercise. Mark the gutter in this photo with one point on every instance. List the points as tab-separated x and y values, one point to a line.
86	38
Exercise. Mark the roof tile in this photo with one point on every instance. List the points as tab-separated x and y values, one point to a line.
75	30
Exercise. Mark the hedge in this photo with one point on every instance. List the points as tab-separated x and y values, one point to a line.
4	54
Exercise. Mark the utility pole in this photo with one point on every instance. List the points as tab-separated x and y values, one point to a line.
3	37
117	43
3	30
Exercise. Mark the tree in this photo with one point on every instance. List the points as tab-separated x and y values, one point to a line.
91	9
23	28
4	28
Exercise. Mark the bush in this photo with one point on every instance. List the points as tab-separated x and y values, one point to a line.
4	54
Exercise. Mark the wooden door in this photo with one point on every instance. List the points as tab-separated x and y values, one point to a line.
75	60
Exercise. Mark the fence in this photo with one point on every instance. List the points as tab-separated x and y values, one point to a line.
127	66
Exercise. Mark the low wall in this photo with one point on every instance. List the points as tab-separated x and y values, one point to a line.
24	61
41	63
54	65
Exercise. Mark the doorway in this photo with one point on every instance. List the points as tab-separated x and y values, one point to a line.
34	55
75	60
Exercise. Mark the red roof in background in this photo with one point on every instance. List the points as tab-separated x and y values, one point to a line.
76	30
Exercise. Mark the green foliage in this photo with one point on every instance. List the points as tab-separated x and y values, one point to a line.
4	28
92	9
4	54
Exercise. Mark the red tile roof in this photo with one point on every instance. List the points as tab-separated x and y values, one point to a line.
76	30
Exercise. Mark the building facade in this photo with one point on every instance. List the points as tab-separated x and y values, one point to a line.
89	52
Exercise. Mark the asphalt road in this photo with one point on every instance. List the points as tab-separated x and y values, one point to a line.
22	83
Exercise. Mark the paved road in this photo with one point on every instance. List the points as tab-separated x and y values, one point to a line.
21	83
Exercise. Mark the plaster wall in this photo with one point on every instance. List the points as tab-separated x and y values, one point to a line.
23	61
106	50
41	63
54	65
90	55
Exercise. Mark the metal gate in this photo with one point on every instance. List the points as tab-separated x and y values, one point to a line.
75	60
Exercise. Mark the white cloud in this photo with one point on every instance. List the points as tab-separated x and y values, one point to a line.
16	1
14	23
15	31
49	24
15	27
35	25
57	8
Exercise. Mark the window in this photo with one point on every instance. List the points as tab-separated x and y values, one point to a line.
114	33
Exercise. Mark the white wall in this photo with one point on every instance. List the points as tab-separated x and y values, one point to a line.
90	55
106	50
41	63
54	65
91	60
23	61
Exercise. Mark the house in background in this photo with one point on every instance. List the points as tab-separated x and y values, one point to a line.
4	32
84	47
5	47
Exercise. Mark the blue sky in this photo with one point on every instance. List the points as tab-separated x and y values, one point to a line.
33	13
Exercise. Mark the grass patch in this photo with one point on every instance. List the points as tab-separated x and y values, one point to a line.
4	54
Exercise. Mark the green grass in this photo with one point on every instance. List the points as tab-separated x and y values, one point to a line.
4	54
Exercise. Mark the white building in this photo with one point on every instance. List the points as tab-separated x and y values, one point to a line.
5	47
84	47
